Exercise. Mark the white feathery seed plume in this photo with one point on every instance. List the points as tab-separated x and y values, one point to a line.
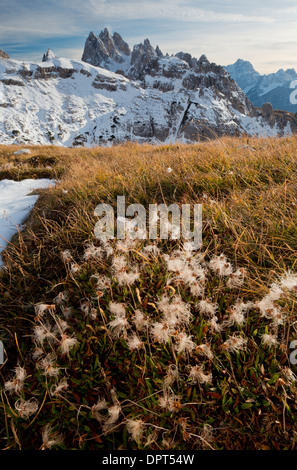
170	401
220	265
134	342
207	307
197	375
16	384
58	389
161	332
236	279
50	438
235	343
269	340
26	408
140	320
184	343
61	298
205	350
135	428
67	343
171	376
117	308
114	414
48	367
92	251
66	255
41	309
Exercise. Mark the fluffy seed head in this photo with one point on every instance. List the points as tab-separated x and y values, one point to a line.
197	375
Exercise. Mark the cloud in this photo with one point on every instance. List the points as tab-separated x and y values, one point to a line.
223	29
66	18
177	10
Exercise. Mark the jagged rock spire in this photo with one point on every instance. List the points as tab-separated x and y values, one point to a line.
49	55
185	56
203	60
159	52
103	48
121	45
142	55
110	45
95	51
3	55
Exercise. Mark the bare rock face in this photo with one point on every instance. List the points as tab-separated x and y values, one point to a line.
267	112
3	55
95	51
110	52
105	49
285	119
110	46
142	55
186	57
159	52
121	45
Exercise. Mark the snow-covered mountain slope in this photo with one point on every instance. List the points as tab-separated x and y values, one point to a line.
273	88
152	98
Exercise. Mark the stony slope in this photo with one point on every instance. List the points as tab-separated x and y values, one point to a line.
152	98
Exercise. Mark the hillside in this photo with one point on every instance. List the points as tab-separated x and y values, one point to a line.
116	95
141	345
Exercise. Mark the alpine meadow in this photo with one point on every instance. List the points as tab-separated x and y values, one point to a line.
134	344
148	236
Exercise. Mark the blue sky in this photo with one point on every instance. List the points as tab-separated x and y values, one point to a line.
263	32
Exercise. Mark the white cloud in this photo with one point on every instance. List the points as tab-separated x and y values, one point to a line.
67	18
223	29
177	9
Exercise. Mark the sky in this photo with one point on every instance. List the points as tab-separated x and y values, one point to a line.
261	31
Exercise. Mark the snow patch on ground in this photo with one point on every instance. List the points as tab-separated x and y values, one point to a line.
15	206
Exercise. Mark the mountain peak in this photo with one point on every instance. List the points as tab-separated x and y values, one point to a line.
260	89
159	52
203	60
92	36
3	55
185	56
243	66
159	99
121	45
104	48
49	55
105	35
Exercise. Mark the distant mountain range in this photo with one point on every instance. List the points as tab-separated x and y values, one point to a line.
273	88
117	94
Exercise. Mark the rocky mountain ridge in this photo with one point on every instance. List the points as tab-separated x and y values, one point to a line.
139	95
3	55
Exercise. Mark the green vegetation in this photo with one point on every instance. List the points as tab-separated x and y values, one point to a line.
114	346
